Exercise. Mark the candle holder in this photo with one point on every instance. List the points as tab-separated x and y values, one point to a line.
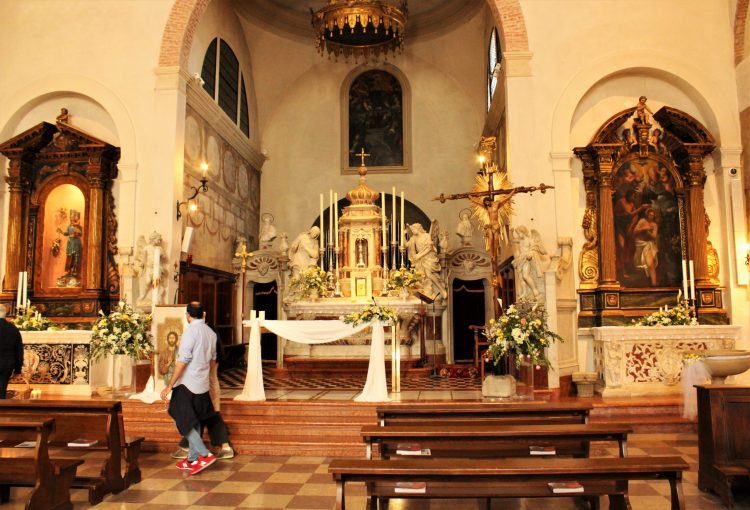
200	189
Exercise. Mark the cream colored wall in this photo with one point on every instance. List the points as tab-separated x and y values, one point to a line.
98	60
299	115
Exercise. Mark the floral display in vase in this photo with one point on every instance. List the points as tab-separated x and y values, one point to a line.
311	282
369	314
403	280
29	318
123	331
680	315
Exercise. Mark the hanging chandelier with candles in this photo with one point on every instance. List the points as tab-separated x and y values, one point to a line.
360	28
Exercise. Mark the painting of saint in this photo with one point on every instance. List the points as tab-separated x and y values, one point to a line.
647	226
376	119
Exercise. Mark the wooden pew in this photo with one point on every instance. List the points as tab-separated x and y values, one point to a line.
476	441
100	420
50	478
506	478
484	413
723	439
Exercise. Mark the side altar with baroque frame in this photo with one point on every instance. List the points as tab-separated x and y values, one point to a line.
644	182
62	228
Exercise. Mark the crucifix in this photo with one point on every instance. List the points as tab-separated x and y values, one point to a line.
361	154
244	255
493	201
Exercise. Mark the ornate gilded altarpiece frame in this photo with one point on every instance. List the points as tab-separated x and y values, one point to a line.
645	175
43	159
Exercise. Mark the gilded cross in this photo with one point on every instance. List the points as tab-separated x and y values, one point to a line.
362	155
244	254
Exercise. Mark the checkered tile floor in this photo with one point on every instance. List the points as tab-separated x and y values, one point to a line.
235	379
304	483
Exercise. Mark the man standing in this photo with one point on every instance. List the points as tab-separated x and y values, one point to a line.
11	351
190	403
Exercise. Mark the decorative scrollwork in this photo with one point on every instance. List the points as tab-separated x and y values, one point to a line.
588	263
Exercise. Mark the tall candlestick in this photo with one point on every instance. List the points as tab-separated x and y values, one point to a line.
382	218
19	293
330	216
336	221
403	234
393	215
25	289
322	232
684	279
692	280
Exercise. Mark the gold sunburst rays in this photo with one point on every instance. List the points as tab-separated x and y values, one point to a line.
481	185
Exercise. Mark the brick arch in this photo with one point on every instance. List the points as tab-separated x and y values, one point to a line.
179	31
740	20
186	14
509	18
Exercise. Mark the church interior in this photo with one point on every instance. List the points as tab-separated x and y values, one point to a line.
488	230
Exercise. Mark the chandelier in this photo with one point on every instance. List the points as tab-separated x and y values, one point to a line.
362	28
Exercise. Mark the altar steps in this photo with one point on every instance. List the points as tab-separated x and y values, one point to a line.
644	414
305	367
305	428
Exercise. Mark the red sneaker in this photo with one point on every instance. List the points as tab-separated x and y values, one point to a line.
202	463
183	464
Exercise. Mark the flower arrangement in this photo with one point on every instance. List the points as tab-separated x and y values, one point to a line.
405	278
521	331
123	331
369	314
680	315
29	318
312	280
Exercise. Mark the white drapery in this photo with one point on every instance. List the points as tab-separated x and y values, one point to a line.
316	332
693	373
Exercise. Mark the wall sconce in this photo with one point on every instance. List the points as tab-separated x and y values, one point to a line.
200	189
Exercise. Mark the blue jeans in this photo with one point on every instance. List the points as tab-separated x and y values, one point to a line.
195	445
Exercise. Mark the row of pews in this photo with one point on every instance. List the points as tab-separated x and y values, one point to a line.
497	450
106	461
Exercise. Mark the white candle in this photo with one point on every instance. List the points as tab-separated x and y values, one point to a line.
322	232
393	215
693	293
336	220
382	218
403	235
330	216
25	289
18	293
684	279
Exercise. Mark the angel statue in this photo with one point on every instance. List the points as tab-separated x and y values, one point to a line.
530	261
146	267
424	258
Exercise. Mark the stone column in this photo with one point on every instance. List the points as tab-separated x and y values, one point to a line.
697	224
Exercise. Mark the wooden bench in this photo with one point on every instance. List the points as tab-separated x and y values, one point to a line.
50	478
99	420
475	441
506	478
484	413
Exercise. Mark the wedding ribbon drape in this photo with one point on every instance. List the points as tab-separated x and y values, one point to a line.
316	332
693	373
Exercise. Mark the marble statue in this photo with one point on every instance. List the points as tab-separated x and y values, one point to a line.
424	258
284	243
465	228
530	261
304	251
267	231
146	266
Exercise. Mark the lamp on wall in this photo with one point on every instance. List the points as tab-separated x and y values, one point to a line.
362	28
200	189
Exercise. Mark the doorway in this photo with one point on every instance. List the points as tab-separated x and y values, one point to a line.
468	310
265	298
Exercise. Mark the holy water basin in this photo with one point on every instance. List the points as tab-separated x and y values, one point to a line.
725	362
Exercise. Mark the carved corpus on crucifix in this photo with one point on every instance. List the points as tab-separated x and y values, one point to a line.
492	196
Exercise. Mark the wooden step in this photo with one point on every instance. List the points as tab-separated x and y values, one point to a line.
645	415
297	366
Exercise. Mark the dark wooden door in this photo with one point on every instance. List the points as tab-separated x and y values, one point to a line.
265	298
215	290
468	310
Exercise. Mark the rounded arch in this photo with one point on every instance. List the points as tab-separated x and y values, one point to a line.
740	21
509	18
690	79
20	102
179	31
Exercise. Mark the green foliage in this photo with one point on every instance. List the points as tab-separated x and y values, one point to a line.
123	331
30	319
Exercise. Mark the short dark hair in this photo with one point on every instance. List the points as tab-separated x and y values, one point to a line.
195	310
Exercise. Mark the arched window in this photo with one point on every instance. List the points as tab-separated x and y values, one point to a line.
229	89
375	105
493	58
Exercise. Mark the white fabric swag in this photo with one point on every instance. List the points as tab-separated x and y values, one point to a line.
316	332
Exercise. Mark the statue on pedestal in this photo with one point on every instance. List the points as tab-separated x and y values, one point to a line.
424	258
150	270
267	231
530	262
304	251
465	228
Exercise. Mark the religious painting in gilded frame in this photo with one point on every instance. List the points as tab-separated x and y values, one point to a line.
375	121
63	237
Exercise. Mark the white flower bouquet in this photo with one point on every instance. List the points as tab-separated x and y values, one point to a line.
123	331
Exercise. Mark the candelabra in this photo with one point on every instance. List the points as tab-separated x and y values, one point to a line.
200	189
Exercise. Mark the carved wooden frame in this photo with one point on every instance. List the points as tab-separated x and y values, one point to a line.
603	300
42	158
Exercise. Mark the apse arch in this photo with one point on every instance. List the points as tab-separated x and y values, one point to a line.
692	81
